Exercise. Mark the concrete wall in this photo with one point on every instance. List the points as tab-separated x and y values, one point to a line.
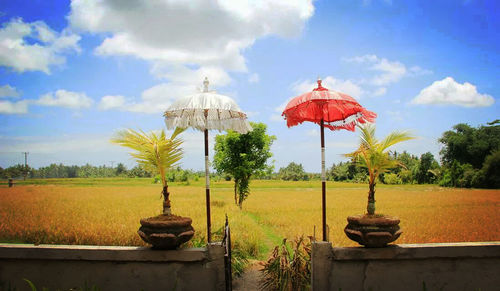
111	268
453	266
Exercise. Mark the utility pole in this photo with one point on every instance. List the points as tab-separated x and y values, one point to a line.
112	163
25	164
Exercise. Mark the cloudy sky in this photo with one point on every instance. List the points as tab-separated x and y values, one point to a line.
74	72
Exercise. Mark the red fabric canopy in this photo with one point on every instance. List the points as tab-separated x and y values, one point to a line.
337	110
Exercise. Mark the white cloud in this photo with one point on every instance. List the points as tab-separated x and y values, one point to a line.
205	33
158	98
111	102
380	91
46	50
448	91
183	81
153	100
184	75
395	115
418	71
9	91
20	107
391	72
348	87
388	71
254	78
313	132
63	98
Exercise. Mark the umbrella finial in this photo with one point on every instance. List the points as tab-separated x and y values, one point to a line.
205	85
320	88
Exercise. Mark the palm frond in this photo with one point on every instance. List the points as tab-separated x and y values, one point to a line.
372	154
153	151
367	136
394	138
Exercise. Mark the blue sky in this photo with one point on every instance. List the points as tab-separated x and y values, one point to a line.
74	72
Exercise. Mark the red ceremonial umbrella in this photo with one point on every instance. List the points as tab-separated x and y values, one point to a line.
330	109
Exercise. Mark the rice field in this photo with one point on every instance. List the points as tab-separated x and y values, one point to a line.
107	211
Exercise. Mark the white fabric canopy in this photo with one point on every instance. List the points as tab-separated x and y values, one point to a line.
207	110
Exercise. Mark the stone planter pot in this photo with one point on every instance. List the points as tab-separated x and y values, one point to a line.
372	231
166	231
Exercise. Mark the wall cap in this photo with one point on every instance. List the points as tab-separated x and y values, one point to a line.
419	251
99	253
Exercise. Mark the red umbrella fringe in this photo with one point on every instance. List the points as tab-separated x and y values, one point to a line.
335	116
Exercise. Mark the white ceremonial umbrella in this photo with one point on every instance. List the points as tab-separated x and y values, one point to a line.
203	111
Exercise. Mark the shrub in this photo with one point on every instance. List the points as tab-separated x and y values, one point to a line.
406	176
360	178
289	267
446	179
391	178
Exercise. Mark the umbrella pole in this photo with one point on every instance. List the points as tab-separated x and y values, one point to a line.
207	191
323	180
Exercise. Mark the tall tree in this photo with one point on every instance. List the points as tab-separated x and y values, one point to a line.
426	163
373	155
469	145
243	155
120	169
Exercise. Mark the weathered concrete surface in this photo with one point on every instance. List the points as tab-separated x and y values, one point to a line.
453	266
111	268
321	258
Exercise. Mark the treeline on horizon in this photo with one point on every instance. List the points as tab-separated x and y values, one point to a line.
470	158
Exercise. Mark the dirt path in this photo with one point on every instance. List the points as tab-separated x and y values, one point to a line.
249	281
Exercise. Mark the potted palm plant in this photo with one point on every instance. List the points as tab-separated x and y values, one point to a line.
157	154
370	229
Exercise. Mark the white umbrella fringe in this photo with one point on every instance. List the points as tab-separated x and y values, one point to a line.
218	119
207	110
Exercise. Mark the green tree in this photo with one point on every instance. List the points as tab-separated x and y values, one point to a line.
16	171
243	155
408	167
373	155
427	163
293	172
154	152
120	169
467	155
491	170
469	145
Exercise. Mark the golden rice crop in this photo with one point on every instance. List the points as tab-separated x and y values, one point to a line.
109	215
